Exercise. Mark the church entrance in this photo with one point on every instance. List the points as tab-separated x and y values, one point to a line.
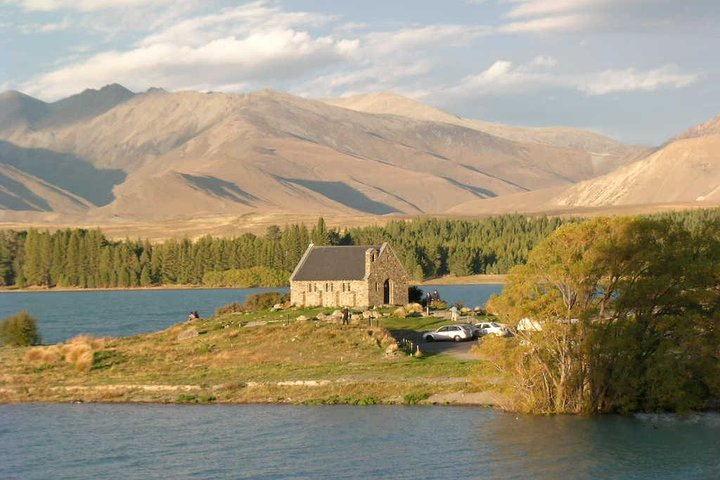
386	292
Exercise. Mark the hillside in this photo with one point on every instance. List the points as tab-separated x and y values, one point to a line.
606	153
685	170
157	156
684	173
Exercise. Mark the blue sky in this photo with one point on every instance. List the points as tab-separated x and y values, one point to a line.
637	70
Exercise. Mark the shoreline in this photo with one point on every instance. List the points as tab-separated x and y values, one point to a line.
480	279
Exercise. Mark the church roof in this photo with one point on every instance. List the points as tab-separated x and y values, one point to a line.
332	263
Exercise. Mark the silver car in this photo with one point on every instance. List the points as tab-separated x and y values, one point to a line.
493	328
448	332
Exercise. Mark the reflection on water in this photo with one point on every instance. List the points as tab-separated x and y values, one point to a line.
277	442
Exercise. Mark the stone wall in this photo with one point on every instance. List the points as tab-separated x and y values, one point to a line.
337	293
382	266
386	267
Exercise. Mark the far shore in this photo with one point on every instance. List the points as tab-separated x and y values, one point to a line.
446	280
480	279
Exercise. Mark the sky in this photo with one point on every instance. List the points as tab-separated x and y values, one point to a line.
640	71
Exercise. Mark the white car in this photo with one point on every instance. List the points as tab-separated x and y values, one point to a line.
448	332
474	331
493	328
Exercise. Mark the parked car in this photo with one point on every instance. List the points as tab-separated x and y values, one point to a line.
472	329
493	328
448	332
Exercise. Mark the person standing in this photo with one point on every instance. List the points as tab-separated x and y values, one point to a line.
454	313
346	316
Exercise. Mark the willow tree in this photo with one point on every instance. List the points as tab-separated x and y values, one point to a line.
629	311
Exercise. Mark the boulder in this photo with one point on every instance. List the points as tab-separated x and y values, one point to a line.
302	318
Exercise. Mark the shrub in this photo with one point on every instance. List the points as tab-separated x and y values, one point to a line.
415	294
19	330
233	307
263	301
438	305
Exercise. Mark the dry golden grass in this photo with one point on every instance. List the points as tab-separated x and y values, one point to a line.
79	352
281	361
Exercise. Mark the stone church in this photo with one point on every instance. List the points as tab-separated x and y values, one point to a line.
349	276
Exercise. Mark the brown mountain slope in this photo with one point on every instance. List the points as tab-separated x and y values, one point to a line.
684	172
606	153
166	155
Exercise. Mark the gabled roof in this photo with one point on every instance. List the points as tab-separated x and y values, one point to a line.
332	263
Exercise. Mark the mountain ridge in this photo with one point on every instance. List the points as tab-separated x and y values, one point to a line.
160	155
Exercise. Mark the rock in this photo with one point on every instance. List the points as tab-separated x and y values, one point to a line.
302	318
336	314
189	333
465	310
276	307
367	314
400	313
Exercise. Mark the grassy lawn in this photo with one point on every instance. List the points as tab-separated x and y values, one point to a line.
246	357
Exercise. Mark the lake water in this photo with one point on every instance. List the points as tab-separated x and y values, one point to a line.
291	442
61	315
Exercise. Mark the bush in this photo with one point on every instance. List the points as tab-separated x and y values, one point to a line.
415	294
254	303
233	307
263	301
438	305
19	330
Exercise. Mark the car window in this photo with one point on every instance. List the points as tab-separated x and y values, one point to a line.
443	329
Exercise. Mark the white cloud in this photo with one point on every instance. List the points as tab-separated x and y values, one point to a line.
543	16
631	80
504	78
544	61
81	5
260	55
236	46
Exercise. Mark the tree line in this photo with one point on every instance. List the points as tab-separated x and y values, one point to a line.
428	247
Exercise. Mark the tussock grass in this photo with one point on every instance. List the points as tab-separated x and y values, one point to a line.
79	352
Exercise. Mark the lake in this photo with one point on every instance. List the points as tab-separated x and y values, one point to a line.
68	441
62	315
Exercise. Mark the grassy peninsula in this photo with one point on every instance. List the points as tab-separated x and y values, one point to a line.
286	356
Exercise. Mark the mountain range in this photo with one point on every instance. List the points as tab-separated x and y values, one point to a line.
158	156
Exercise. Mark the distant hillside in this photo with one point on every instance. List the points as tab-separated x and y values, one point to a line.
158	155
685	170
606	153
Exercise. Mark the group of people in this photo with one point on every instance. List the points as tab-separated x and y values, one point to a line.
431	297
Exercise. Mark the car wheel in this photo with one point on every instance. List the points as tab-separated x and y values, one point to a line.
429	338
456	338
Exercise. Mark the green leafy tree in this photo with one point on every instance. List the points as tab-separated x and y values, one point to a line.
19	330
629	316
